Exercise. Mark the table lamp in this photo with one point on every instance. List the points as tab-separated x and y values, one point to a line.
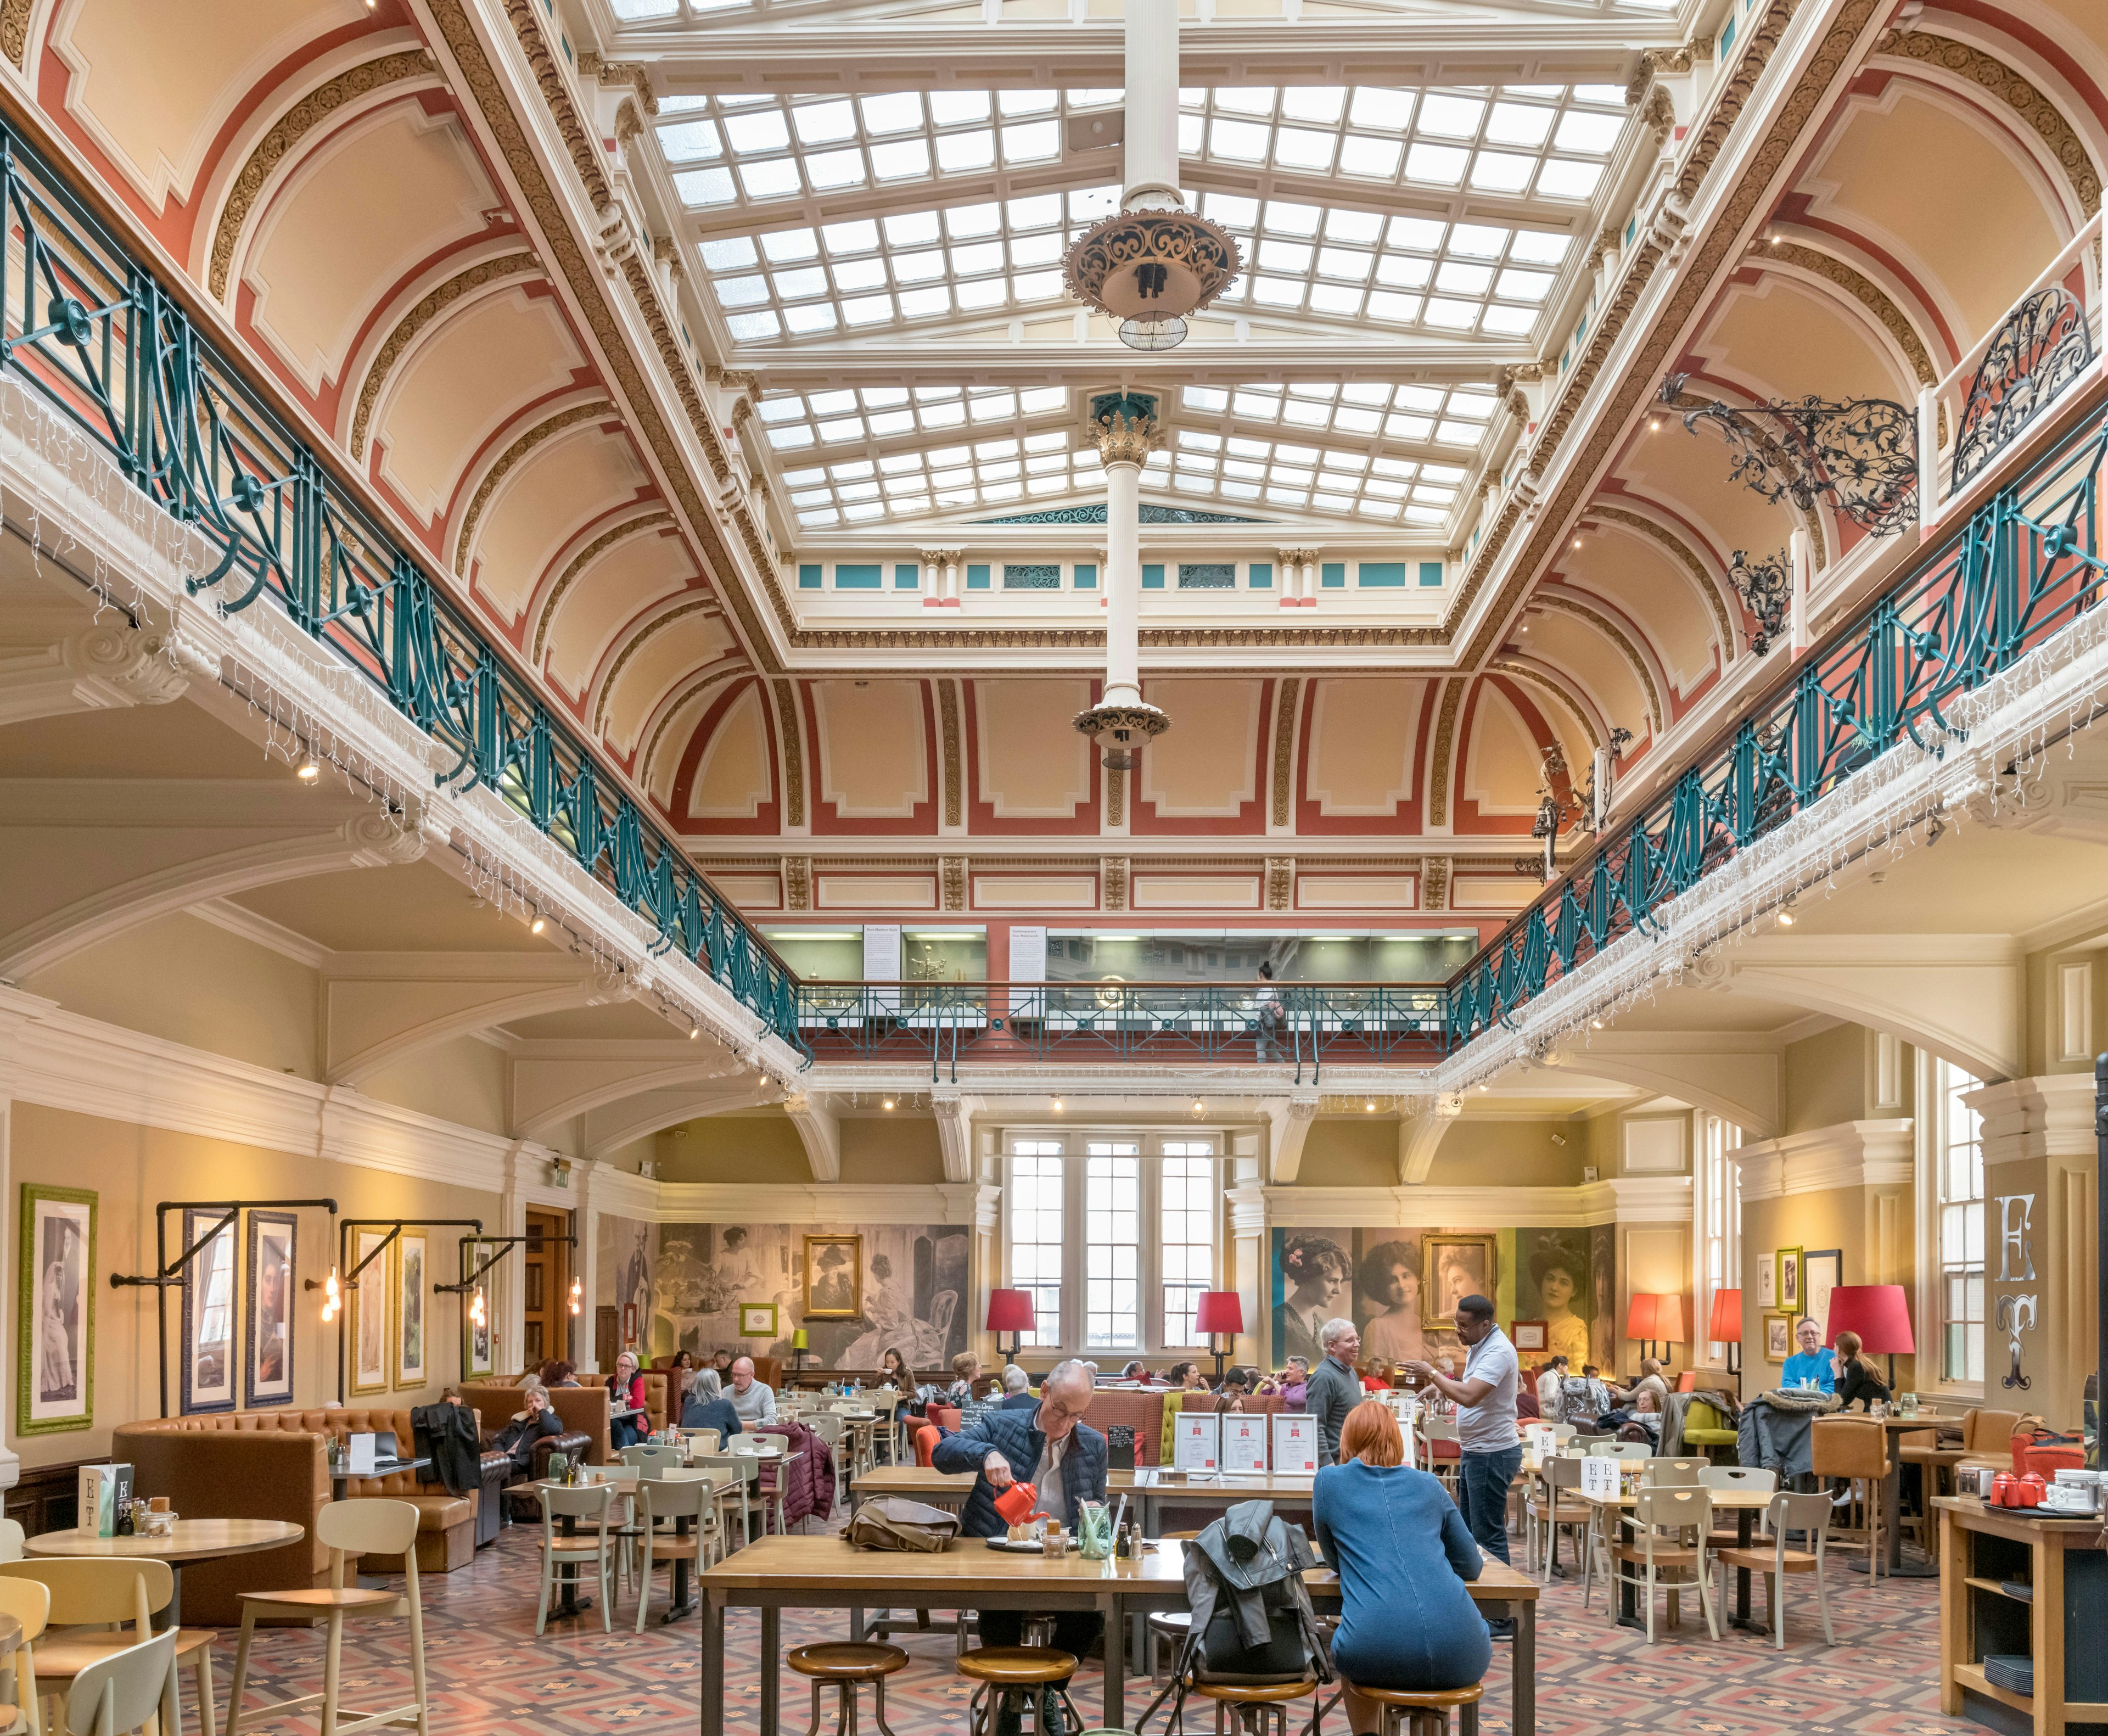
1219	1312
1010	1311
1726	1326
800	1349
1879	1314
1656	1319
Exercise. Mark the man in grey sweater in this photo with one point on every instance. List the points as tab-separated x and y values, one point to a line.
1335	1388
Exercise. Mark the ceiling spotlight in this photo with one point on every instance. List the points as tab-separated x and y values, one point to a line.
1370	1107
1776	238
1485	1088
1057	1106
1198	1107
539	924
1577	542
1785	916
307	770
887	1104
694	1032
1654	422
1595	1024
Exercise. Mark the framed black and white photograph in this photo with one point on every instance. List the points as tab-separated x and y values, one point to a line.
368	1306
1821	1271
208	1313
1528	1336
833	1278
412	1364
267	1341
55	1311
1454	1268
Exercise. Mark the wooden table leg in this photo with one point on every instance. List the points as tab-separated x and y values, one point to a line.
1523	1692
1745	1534
1953	1613
772	1667
1115	1711
2049	1635
714	1673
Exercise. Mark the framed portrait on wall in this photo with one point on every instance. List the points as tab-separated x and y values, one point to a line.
757	1319
1528	1336
367	1304
412	1287
208	1312
1789	1281
1453	1267
1821	1271
833	1278
1778	1337
55	1311
268	1343
1767	1281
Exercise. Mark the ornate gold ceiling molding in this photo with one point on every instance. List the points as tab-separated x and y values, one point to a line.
1565	603
1684	555
1862	289
15	29
556	91
947	717
1562	691
287	131
428	308
1789	131
599	409
794	753
1285	696
1445	748
581	560
706	605
2035	112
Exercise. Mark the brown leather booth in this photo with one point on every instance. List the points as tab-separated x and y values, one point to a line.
270	1464
583	1410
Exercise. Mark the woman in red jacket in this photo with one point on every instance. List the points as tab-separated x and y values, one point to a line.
625	1389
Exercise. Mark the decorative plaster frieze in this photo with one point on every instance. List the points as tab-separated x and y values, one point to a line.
2050	1116
1652	1199
1435	1208
1851	1154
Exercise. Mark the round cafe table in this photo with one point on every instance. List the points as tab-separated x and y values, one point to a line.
188	1539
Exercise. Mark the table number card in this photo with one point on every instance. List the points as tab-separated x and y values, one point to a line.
1294	1444
1540	1439
361	1454
1199	1434
1600	1477
1243	1443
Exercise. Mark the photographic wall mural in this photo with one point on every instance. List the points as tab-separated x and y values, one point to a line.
678	1286
1393	1283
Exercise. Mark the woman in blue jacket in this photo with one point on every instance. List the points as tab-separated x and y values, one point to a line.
1403	1555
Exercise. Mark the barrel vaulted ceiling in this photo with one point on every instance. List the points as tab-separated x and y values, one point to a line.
644	318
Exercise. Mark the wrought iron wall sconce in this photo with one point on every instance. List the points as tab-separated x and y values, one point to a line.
1766	589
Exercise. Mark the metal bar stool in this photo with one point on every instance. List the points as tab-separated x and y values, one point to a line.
1021	1673
1426	1711
840	1665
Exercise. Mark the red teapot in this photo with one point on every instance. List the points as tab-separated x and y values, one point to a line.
2001	1489
1016	1503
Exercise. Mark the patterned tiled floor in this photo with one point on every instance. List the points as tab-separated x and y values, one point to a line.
490	1674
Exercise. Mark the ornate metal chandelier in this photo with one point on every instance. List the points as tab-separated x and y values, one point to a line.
1766	589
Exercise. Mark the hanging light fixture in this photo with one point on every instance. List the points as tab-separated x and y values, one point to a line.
332	1297
577	1292
308	769
477	1313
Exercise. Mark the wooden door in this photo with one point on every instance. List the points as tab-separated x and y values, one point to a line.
546	1274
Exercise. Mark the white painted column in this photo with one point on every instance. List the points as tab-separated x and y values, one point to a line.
1151	105
1123	567
933	580
951	558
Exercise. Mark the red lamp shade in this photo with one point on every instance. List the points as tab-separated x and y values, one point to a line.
1218	1311
1879	1314
1010	1311
1670	1323
1727	1323
1642	1313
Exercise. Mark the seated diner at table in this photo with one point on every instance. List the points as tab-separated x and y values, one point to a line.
534	1420
1859	1379
708	1407
753	1399
1052	1447
1811	1367
1016	1390
1289	1385
965	1371
625	1391
1403	1555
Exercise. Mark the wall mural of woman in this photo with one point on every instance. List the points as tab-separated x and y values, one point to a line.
1388	1302
1311	1270
1553	1286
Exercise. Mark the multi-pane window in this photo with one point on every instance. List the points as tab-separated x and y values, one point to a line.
1960	1200
1036	1215
1112	1245
1114	1236
1187	1215
1720	1254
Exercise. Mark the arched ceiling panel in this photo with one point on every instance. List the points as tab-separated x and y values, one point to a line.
1783	337
467	374
545	499
873	753
732	777
1582	645
153	85
361	211
1503	761
1901	168
1638	577
1203	773
608	593
1363	752
688	637
1687	473
1031	769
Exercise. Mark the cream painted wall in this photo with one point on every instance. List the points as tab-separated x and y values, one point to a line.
463	1080
1509	1154
1340	1152
762	1147
131	1170
190	982
1825	1079
892	1151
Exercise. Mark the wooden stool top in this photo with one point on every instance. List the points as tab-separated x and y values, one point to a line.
1423	1699
1018	1666
846	1661
1255	1693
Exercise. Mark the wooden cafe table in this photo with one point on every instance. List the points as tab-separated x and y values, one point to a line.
1148	1489
778	1573
1744	1504
188	1539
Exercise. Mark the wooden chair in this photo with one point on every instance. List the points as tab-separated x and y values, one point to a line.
11	1539
1661	1520
666	1500
742	1477
1807	1515
702	1439
586	1501
647	1453
347	1528
1546	1509
1426	1712
91	1593
1433	1429
127	1689
30	1604
1020	1673
841	1665
827	1426
1733	1476
1673	1473
1857	1448
1258	1707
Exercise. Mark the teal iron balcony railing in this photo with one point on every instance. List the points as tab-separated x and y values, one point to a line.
93	331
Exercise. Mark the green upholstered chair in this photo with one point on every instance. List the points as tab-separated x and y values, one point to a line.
1704	1428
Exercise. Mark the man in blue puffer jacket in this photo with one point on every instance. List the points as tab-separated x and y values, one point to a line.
1050	1447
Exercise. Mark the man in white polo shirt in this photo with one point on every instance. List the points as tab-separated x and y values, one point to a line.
1485	1400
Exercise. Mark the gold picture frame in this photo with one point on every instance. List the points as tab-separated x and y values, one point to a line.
757	1320
1786	1288
833	1278
371	1315
1778	1337
1453	1267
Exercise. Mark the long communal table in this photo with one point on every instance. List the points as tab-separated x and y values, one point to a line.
1150	1489
775	1574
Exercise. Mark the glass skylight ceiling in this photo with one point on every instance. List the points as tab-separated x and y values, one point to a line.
766	159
